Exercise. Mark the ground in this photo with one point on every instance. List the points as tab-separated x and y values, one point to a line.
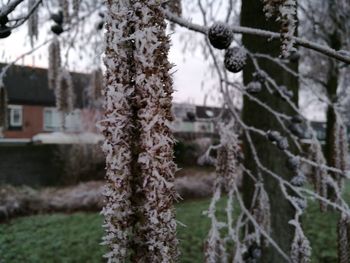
76	237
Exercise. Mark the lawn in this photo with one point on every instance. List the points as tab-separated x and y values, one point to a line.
76	237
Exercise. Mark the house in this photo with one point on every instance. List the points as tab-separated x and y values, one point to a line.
31	138
31	104
32	111
194	121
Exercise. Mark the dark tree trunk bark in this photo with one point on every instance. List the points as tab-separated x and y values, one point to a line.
271	157
332	86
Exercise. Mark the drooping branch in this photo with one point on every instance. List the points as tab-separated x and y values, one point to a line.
263	33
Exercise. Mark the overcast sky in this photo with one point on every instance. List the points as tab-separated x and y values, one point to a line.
190	70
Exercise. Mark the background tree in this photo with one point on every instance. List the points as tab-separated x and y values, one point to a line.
252	15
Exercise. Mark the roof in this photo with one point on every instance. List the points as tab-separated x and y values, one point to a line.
29	86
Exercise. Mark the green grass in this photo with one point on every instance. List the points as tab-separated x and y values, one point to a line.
76	237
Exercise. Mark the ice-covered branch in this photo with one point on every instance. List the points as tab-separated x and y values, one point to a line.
263	33
20	20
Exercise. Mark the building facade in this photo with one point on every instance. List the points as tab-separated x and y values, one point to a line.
31	104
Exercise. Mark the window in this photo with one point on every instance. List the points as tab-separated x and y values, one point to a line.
15	116
51	119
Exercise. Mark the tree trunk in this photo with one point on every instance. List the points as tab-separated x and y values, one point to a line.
332	86
271	157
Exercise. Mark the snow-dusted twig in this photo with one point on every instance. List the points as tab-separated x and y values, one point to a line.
263	33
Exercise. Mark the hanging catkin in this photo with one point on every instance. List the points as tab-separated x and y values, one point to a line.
96	85
64	92
271	7
261	209
33	22
214	250
343	148
319	174
340	149
287	21
343	239
64	5
226	179
156	232
117	130
54	63
285	13
3	108
300	250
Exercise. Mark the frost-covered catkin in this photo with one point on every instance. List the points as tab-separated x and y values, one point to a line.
64	5
226	179
139	213
343	148
343	239
340	149
96	85
33	22
261	209
285	13
54	63
271	7
287	20
64	92
319	174
156	231
116	128
3	109
215	246
300	250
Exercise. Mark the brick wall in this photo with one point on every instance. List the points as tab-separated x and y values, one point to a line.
33	118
